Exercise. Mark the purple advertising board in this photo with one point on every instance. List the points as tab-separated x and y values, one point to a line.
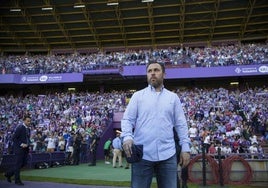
7	78
41	78
101	71
202	72
171	73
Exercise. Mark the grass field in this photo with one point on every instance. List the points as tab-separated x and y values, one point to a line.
102	174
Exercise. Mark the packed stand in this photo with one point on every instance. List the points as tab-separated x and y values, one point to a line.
233	120
174	57
58	119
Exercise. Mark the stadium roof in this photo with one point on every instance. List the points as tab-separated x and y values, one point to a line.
92	25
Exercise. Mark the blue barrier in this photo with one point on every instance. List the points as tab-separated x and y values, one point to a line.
57	158
7	161
34	158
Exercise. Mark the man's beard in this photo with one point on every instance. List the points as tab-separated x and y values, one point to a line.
156	84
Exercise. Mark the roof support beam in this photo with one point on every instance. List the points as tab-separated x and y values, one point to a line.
181	21
6	28
15	38
247	16
121	25
60	24
151	23
214	20
95	26
32	25
91	26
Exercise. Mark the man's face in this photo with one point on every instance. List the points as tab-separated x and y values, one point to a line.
27	121
155	75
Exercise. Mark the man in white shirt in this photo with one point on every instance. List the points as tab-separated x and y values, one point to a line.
117	150
152	113
193	131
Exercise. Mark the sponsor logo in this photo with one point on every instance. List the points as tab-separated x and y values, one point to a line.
23	79
55	78
237	70
263	69
246	70
29	78
249	70
43	78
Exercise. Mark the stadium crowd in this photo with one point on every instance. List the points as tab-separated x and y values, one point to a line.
224	55
234	120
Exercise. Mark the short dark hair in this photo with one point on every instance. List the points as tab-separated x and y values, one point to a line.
159	63
26	116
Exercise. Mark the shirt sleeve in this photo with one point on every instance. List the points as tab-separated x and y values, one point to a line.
129	118
181	127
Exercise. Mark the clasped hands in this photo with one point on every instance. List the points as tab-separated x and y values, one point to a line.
127	146
184	157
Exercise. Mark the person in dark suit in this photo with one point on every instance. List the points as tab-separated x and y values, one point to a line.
21	143
93	147
77	148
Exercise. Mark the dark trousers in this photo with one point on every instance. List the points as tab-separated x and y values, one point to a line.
76	156
20	161
184	174
94	156
184	177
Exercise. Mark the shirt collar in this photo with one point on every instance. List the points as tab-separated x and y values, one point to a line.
25	126
153	89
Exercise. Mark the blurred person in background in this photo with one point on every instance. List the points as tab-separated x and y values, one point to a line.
117	150
77	148
107	149
21	144
93	147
